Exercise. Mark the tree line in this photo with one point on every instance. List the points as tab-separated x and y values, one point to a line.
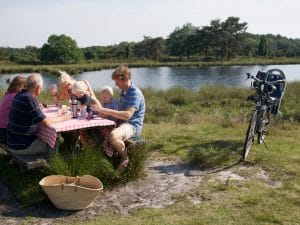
220	40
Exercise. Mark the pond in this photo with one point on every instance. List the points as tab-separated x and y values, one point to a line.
167	77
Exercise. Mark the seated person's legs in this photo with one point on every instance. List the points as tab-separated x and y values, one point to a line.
37	147
117	138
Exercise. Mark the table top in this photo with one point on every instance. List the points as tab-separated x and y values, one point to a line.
76	123
49	133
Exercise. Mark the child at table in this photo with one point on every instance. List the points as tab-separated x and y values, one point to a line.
108	101
82	92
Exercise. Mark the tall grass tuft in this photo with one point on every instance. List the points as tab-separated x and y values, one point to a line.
90	159
179	96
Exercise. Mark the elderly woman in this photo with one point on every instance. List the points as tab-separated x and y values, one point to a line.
67	84
15	86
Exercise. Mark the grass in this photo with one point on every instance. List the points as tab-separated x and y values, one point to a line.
206	129
24	185
9	67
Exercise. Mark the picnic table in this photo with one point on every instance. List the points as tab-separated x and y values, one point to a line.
49	134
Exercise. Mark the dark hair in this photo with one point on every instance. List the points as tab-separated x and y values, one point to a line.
17	84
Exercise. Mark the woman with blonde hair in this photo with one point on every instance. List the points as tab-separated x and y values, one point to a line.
70	87
15	86
65	82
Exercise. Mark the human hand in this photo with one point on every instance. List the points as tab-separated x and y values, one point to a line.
42	107
67	116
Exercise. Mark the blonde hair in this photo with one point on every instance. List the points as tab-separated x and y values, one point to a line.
79	87
65	78
107	89
121	72
17	84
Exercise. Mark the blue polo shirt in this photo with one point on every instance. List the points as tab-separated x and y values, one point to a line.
133	97
24	116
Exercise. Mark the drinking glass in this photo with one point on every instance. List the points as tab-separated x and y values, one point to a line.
53	89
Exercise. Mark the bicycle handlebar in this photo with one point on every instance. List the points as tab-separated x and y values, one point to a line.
264	81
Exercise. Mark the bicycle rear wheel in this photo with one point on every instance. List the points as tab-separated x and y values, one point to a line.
250	134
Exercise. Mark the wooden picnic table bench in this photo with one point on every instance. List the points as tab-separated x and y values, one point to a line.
26	162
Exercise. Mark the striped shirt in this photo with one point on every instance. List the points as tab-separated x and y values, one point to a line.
134	98
24	116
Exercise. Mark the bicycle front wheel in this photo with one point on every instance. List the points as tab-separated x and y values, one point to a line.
250	134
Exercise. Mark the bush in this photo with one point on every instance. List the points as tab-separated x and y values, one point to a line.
91	160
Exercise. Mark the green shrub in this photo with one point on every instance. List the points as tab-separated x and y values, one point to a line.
179	96
90	159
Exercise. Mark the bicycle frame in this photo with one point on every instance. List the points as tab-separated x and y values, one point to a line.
264	106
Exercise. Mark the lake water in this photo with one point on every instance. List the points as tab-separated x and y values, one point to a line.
167	77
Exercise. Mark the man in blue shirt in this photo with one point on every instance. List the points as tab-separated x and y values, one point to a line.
131	113
25	115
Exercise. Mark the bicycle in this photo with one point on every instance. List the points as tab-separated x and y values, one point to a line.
269	89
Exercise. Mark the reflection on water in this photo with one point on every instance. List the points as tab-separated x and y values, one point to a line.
166	77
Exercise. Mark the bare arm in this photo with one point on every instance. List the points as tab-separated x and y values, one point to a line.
123	115
90	90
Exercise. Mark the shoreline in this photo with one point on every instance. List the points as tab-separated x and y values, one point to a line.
9	68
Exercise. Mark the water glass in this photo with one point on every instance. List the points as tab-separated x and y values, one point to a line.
53	89
61	108
83	112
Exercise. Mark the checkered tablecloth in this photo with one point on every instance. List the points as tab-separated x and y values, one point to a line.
49	133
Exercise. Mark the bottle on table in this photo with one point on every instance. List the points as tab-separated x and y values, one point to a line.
74	107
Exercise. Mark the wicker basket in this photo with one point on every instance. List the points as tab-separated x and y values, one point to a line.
71	193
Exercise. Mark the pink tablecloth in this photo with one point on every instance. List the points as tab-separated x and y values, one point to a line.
49	133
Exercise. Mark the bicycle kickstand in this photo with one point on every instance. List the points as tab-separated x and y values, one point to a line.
265	145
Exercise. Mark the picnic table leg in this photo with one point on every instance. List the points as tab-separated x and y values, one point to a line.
57	143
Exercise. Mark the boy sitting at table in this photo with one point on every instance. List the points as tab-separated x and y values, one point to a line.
108	101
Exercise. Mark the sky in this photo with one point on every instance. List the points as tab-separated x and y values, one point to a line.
108	22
